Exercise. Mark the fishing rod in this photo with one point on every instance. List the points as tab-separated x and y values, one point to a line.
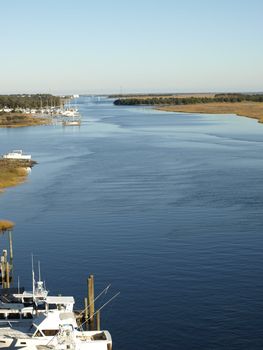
114	296
105	290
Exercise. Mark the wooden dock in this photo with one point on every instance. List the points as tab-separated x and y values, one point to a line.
6	260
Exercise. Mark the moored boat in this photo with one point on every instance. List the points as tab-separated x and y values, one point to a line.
54	330
20	306
17	154
34	320
71	123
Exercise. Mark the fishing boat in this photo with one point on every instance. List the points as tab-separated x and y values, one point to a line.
18	155
20	306
54	330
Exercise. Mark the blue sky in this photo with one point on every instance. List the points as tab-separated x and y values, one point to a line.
84	46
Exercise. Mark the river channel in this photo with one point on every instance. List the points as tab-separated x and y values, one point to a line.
166	207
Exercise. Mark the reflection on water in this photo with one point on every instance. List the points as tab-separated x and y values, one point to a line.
166	207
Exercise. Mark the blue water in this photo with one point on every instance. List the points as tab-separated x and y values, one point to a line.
166	207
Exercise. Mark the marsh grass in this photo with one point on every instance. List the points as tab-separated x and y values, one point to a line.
15	120
6	225
245	109
13	172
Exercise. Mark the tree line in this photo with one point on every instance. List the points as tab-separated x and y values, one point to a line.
233	97
29	101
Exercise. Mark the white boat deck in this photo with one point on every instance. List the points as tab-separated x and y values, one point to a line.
13	333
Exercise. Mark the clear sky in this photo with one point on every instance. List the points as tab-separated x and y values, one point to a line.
88	46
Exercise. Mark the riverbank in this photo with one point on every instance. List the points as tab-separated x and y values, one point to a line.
13	172
16	120
245	109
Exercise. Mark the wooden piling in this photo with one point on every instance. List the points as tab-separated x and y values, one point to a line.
7	275
5	267
10	245
86	313
91	301
98	320
5	255
3	271
6	262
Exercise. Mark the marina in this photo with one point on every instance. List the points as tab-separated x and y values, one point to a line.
35	319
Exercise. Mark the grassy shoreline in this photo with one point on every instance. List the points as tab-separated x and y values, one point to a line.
13	172
16	120
252	110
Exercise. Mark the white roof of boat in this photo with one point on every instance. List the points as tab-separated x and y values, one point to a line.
59	300
66	315
53	319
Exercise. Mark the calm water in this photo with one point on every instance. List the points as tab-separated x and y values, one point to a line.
168	208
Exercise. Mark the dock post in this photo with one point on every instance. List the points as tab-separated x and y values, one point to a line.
98	320
7	275
3	271
10	234
91	301
10	245
86	313
5	254
5	267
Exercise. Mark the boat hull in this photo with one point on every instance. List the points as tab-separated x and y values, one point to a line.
23	157
81	342
76	123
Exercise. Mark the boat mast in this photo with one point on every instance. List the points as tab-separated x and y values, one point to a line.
39	274
33	277
18	285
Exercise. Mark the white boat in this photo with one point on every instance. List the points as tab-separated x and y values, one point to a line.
17	154
73	114
20	306
70	112
75	118
71	122
54	330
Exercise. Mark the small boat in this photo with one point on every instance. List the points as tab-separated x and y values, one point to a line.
18	155
71	123
70	112
75	120
74	116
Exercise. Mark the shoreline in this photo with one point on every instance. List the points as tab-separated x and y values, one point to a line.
15	120
253	110
13	173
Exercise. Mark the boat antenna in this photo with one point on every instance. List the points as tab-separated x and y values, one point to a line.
39	273
18	284
33	276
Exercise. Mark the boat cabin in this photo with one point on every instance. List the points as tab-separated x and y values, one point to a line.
47	325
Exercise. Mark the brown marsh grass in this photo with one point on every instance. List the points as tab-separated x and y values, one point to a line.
11	174
14	120
246	109
6	225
